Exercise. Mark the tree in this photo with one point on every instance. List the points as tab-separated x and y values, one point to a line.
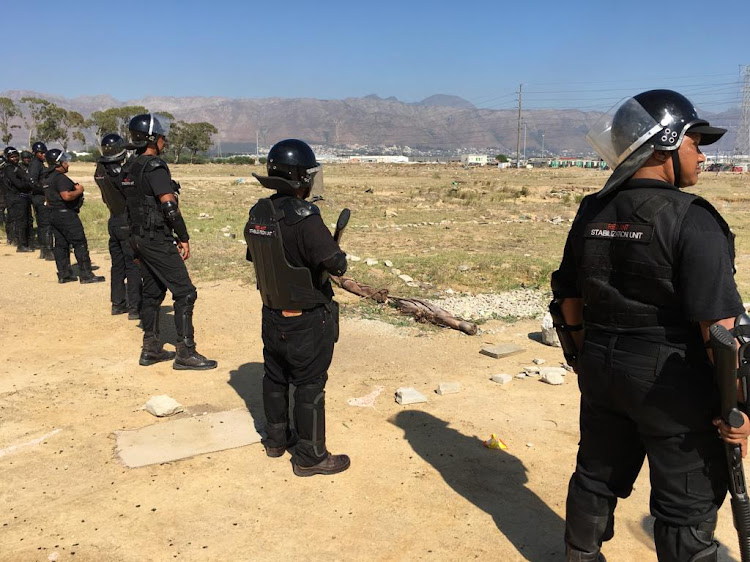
8	110
177	139
198	137
502	158
36	108
114	120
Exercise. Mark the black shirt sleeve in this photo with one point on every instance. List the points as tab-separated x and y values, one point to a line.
704	270
318	241
61	183
159	181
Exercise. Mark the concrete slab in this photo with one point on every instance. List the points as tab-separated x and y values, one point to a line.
407	395
184	438
501	350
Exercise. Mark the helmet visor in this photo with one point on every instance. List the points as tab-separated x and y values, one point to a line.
64	157
621	131
159	125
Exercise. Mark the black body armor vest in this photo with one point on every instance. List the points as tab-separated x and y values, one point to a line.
111	193
281	285
144	213
627	254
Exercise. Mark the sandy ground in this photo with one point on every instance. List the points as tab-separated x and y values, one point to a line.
421	485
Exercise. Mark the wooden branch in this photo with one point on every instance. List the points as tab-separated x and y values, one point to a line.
422	311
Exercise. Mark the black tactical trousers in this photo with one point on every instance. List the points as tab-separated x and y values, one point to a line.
162	268
124	268
19	215
640	399
67	230
43	227
297	351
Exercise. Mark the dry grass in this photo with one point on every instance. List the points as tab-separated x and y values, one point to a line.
477	230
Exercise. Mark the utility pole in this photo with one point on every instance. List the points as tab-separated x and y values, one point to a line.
518	136
524	143
542	145
742	141
257	147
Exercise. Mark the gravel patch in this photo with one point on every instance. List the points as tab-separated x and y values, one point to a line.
520	303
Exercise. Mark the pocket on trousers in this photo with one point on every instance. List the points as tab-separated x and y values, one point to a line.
300	347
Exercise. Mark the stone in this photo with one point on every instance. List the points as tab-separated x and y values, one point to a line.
500	350
388	263
371	261
448	388
390	213
501	379
405	278
162	406
407	395
531	369
352	257
553	371
549	334
539	361
521	376
553	378
464	268
396	271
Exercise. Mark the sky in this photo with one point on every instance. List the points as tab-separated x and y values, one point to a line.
574	54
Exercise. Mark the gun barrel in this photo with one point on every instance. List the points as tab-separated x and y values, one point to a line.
724	349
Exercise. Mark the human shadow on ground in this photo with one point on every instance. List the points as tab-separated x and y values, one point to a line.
247	382
491	479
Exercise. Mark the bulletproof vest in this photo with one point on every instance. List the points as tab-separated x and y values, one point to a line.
144	214
108	184
627	257
281	285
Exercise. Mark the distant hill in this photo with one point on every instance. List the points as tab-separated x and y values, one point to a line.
439	122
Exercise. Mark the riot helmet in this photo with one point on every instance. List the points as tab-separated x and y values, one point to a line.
38	146
56	157
629	133
10	152
293	160
146	129
113	147
26	155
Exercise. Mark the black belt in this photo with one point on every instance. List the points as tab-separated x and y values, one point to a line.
627	344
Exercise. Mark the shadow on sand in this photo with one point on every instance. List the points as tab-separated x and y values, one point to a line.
247	382
491	479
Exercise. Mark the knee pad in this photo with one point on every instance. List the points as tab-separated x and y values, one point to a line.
589	518
191	298
694	543
310	416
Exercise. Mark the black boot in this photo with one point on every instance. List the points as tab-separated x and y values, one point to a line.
87	276
153	352
24	249
67	278
332	464
188	359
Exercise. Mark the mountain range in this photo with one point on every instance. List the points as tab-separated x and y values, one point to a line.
442	123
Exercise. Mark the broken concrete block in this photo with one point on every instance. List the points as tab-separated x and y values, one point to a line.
531	369
553	371
500	350
521	376
502	379
448	388
162	406
371	261
539	361
549	334
407	395
405	278
553	378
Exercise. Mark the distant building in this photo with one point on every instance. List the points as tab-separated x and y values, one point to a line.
566	162
382	159
474	159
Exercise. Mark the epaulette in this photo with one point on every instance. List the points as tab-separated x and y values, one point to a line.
155	163
296	210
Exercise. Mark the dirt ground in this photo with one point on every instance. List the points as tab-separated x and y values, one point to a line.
421	485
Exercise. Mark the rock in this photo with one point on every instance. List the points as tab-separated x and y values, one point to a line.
529	445
539	361
163	405
371	261
226	228
388	263
501	379
352	257
227	234
464	268
553	371
553	378
390	213
396	271
521	376
566	367
531	369
549	335
450	292
448	388
407	395
405	278
204	216
500	350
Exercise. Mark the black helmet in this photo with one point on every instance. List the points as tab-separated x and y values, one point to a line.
294	161
26	154
55	157
38	146
114	148
145	128
9	151
652	120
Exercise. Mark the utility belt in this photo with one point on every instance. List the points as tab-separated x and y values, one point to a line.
332	307
633	344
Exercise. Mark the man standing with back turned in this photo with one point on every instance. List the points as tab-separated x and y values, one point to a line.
293	252
647	268
154	215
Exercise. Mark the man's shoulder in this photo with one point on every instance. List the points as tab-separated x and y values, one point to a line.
296	210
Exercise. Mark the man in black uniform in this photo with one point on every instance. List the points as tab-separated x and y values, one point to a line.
153	215
42	213
3	205
293	252
18	190
126	297
647	268
65	200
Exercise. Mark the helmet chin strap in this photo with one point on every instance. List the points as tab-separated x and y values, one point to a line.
676	167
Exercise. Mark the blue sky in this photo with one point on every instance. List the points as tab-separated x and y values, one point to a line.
581	54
